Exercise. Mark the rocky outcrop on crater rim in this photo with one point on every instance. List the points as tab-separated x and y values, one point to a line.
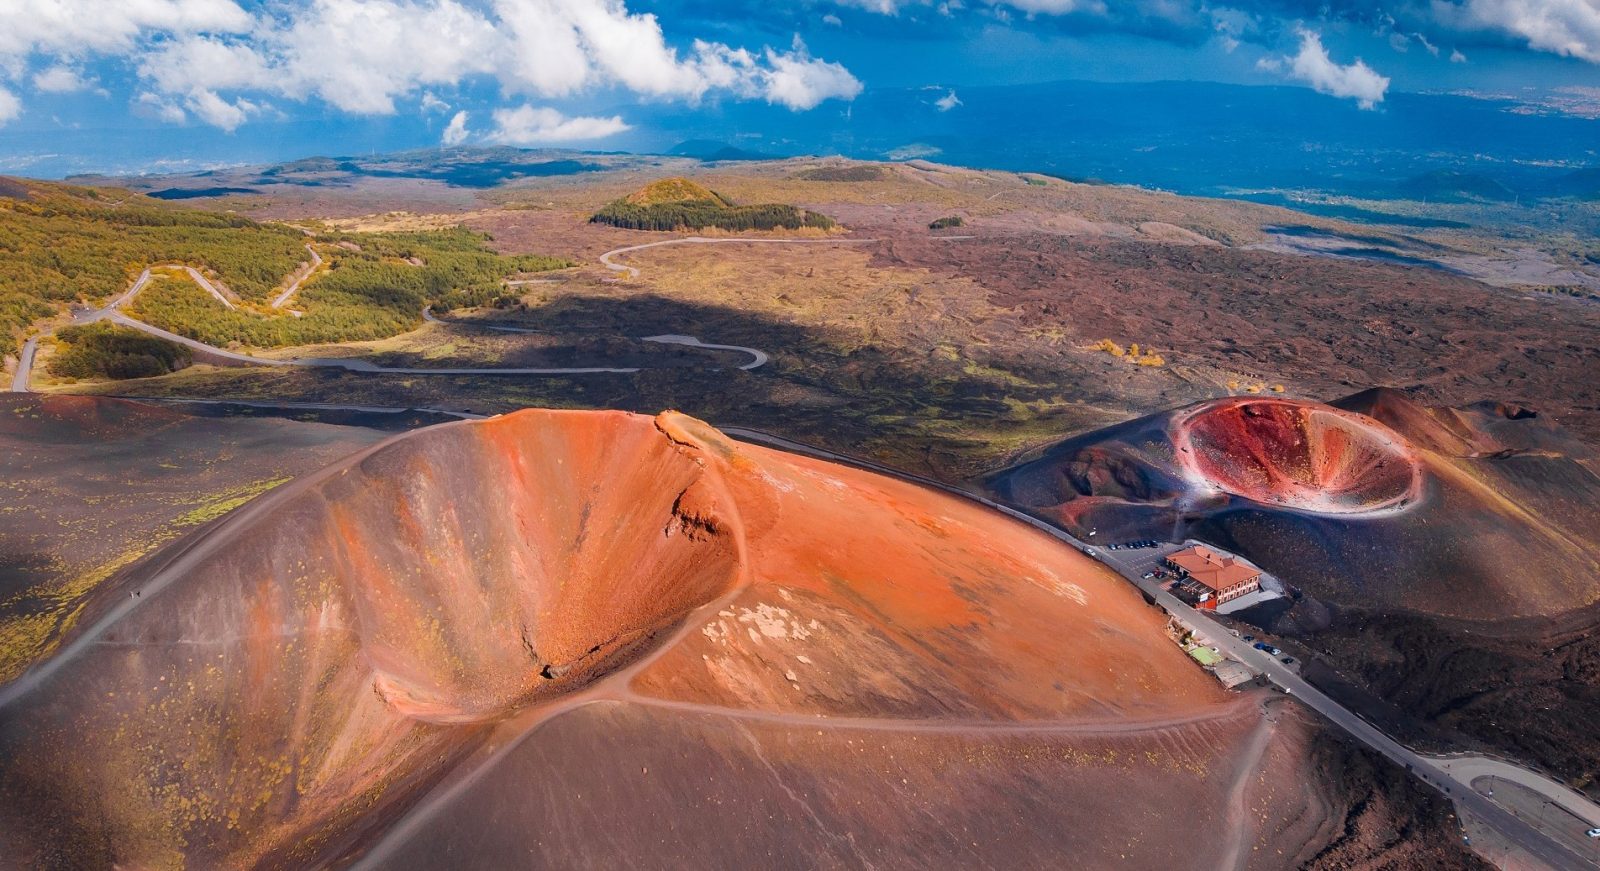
293	684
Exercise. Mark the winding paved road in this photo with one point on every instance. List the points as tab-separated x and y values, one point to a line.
632	272
757	358
1450	776
112	311
20	378
1527	838
306	272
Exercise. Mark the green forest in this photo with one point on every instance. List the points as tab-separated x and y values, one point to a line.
104	350
700	214
64	244
373	293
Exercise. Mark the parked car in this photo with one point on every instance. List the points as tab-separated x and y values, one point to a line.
1262	645
1593	833
1288	660
1273	650
1248	638
1149	575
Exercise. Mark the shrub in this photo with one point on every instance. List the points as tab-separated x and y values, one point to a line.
946	223
101	351
698	215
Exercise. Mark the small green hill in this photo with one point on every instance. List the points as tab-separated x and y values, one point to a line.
680	204
674	190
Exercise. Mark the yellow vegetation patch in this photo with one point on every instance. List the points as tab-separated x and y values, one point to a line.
45	613
227	502
1133	353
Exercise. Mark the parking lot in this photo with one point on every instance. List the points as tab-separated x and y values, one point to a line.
1135	562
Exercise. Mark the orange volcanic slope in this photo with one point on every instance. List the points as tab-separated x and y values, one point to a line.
416	652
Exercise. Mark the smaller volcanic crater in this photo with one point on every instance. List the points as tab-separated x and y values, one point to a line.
1297	455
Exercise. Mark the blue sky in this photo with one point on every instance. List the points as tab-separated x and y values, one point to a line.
80	80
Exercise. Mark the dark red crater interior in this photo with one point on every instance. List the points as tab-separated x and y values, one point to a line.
1299	455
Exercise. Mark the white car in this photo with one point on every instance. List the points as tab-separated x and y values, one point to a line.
1593	833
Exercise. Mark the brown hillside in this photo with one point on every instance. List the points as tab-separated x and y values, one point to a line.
598	638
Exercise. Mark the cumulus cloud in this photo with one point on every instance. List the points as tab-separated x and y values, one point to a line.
1565	27
799	81
155	105
59	80
539	125
1313	65
220	112
220	62
882	7
456	132
83	26
10	106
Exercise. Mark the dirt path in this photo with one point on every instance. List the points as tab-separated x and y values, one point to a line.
1238	810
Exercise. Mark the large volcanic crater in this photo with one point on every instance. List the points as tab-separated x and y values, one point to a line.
1296	455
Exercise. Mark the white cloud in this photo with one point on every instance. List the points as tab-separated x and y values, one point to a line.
947	102
1456	57
219	112
1052	7
799	81
363	56
1312	65
162	108
832	20
882	7
538	125
76	27
456	132
59	80
10	106
360	55
1564	27
431	103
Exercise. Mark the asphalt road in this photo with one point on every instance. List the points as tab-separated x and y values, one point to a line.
632	272
283	298
1133	564
19	379
113	313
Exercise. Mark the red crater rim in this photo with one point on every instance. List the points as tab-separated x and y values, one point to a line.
1299	455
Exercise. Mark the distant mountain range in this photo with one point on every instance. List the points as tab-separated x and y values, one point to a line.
1187	137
